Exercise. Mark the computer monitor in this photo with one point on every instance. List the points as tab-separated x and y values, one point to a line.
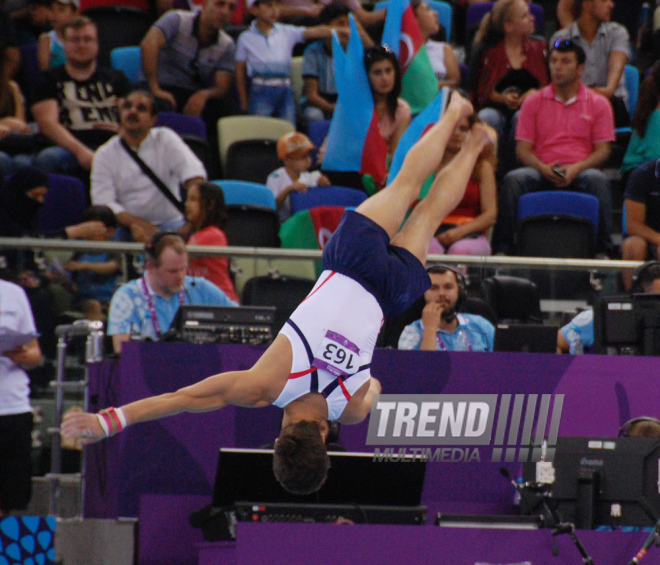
353	478
627	324
529	338
603	481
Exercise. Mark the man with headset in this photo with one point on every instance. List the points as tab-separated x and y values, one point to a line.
578	334
440	327
145	307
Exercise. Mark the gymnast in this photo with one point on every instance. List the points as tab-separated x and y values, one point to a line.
317	368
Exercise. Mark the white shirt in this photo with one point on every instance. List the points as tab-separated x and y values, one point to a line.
119	183
269	55
436	53
279	179
16	315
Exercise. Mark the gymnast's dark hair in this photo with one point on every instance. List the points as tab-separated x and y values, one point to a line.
300	460
384	53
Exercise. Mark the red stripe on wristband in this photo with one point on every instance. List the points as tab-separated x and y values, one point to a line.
108	421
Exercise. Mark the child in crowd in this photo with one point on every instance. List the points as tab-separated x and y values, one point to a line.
294	150
206	212
96	274
264	54
51	44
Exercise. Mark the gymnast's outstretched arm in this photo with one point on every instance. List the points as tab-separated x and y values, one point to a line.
239	388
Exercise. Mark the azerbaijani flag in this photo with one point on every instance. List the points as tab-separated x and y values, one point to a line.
401	34
417	129
354	140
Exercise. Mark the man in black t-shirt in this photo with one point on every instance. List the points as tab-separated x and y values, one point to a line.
76	104
642	215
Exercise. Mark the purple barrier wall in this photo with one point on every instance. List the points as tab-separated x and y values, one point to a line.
327	544
178	455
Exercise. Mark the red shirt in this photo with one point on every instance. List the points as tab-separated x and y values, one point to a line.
565	132
495	65
469	207
214	269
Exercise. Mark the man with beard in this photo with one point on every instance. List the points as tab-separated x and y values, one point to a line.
76	104
119	182
441	328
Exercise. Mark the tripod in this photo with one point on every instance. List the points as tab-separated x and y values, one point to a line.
559	526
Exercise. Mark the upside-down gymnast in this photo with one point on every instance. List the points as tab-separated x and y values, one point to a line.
317	368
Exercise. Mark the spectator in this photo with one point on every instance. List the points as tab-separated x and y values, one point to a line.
442	57
119	182
509	71
320	92
206	212
32	21
146	306
12	121
306	12
607	51
188	61
642	211
76	104
441	328
463	231
264	55
15	409
20	202
578	335
96	274
294	149
393	112
563	134
51	43
9	42
626	12
645	141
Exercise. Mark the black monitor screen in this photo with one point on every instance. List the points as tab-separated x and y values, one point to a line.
601	481
627	324
353	478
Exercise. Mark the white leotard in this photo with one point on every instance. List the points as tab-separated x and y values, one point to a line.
341	306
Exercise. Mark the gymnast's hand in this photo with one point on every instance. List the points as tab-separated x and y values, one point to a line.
82	425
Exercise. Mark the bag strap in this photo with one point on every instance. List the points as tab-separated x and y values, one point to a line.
167	193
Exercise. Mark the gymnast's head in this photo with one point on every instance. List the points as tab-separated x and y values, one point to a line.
300	460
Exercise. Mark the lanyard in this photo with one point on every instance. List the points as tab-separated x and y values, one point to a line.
152	309
443	347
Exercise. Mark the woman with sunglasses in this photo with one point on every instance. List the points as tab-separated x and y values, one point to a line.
512	66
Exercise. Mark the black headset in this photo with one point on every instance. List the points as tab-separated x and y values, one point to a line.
460	279
625	429
636	283
153	248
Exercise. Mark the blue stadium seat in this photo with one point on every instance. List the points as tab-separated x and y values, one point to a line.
243	192
128	60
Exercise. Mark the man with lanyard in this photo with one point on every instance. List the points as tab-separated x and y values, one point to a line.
146	307
440	327
318	367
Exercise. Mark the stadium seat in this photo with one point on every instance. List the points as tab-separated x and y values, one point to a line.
65	202
128	60
252	160
242	192
237	128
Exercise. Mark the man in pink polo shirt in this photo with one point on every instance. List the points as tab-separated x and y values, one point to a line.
563	136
